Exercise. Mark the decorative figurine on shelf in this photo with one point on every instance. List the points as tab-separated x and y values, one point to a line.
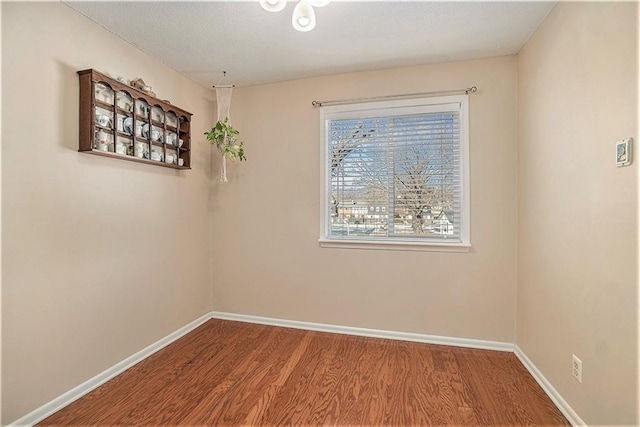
140	84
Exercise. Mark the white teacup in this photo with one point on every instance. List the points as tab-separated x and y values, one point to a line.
180	162
156	156
140	149
121	148
102	145
155	134
170	138
169	158
103	120
102	140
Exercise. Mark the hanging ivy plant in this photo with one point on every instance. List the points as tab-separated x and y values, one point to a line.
225	137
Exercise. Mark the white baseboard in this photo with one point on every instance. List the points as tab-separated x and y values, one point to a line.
364	332
74	394
553	394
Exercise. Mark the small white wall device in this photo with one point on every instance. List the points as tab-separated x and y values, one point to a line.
623	152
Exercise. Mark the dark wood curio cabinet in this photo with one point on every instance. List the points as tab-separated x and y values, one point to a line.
119	121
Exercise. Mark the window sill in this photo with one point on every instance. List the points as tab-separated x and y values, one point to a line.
395	245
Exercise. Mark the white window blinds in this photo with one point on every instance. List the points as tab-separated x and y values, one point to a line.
395	174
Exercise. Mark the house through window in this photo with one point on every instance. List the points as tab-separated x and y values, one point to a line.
396	172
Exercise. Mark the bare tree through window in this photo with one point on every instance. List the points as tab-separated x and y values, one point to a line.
394	175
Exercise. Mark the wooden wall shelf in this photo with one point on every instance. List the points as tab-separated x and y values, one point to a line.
122	122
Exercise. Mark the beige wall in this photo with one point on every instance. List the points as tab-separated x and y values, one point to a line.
101	257
578	255
266	257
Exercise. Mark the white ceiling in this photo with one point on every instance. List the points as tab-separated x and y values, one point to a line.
201	39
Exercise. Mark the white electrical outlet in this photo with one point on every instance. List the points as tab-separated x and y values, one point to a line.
576	367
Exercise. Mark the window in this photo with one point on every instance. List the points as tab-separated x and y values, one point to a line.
395	175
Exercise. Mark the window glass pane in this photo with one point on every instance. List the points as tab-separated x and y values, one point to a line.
395	176
426	159
358	177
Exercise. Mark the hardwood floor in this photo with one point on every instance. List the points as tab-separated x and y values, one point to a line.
239	374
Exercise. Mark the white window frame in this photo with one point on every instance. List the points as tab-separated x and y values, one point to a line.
387	108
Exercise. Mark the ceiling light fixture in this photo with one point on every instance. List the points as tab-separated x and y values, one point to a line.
273	5
304	17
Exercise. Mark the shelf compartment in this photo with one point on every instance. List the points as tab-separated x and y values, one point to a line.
124	145
103	140
171	156
157	153
124	102
170	138
142	129
156	133
103	117
142	109
120	124
141	150
157	115
103	94
172	120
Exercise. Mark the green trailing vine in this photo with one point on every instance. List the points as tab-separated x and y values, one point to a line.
225	137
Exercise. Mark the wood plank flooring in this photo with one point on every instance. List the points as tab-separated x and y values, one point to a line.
238	374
